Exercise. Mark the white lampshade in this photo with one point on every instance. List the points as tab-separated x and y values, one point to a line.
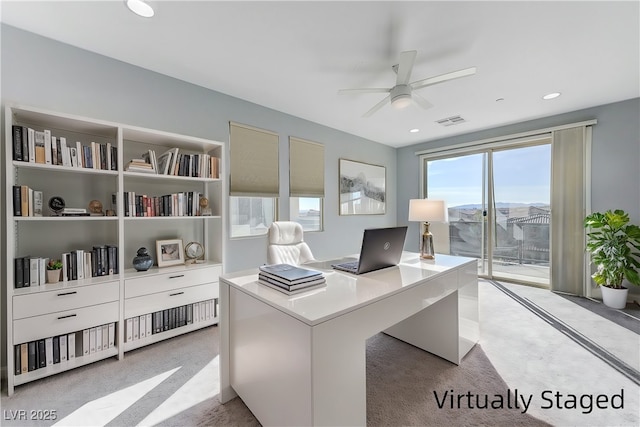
428	210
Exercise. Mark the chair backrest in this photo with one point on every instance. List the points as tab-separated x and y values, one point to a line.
286	244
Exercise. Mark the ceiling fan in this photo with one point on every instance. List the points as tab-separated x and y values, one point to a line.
403	93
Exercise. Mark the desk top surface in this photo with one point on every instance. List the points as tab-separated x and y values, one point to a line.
344	291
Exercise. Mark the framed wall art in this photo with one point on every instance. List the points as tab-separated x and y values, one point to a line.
169	252
362	188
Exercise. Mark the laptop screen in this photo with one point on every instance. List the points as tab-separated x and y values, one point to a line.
381	248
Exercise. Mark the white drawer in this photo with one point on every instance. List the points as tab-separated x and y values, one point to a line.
63	322
173	298
161	282
63	299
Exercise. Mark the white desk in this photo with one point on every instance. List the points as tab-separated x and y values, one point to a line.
300	360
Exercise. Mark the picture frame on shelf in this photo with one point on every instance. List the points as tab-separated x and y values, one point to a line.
362	188
169	252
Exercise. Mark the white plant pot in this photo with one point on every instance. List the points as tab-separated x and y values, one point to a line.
614	298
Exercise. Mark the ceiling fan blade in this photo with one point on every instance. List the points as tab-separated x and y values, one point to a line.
365	90
405	66
443	78
376	107
422	102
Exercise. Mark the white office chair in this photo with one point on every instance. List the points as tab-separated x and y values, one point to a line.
286	244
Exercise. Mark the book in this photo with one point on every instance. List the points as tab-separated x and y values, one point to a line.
142	326
136	328
92	340
55	144
32	351
288	273
86	348
65	152
71	346
48	350
31	139
128	329
98	338
39	146
292	292
42	270
17	201
42	355
313	281
48	158
56	349
24	357
105	337
18	275
24	200
37	203
63	348
34	274
17	366
17	142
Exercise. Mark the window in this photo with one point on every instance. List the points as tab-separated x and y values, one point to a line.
307	211
251	216
306	183
254	180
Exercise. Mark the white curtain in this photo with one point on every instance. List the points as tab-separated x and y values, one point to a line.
569	168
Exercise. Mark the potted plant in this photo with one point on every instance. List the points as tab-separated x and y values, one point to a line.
54	267
614	245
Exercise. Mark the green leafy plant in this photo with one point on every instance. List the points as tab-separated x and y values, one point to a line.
614	245
54	264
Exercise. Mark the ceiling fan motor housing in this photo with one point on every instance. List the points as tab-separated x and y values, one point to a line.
401	96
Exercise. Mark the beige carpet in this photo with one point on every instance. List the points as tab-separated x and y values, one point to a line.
401	381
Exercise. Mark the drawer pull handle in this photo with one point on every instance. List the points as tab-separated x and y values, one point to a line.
67	293
67	316
175	277
177	293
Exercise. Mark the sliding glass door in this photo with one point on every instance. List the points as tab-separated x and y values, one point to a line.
499	209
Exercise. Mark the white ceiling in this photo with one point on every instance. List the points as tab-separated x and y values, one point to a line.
294	56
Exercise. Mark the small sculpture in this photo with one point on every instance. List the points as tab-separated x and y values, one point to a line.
95	207
205	210
142	261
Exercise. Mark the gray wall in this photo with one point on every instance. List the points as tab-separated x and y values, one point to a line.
615	169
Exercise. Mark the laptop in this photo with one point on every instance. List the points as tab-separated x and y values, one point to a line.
381	248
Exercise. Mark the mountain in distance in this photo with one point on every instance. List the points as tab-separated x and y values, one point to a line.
500	205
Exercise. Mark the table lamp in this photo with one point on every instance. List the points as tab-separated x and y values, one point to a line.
425	210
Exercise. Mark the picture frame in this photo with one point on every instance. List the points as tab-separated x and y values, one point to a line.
169	252
362	188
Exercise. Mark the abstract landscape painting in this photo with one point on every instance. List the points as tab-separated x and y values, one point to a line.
362	188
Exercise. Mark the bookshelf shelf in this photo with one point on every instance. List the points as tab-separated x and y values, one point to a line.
103	151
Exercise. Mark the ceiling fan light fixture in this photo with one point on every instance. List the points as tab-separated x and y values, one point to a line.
401	101
141	8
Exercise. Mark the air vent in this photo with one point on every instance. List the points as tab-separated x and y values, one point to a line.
450	121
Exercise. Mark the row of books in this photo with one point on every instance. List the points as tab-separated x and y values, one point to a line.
35	146
78	264
65	348
26	201
101	260
290	279
172	162
176	204
140	327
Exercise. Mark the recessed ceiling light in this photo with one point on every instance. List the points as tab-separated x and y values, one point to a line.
141	8
499	99
551	95
415	130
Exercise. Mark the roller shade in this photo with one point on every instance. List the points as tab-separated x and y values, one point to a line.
306	168
253	157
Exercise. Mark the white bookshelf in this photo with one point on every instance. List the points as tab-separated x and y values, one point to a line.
75	305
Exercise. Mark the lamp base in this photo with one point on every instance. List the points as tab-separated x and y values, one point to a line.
426	246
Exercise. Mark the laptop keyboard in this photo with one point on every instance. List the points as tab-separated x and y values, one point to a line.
349	265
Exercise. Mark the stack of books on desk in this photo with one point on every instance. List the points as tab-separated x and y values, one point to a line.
290	279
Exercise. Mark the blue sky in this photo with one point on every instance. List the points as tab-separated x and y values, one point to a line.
521	175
